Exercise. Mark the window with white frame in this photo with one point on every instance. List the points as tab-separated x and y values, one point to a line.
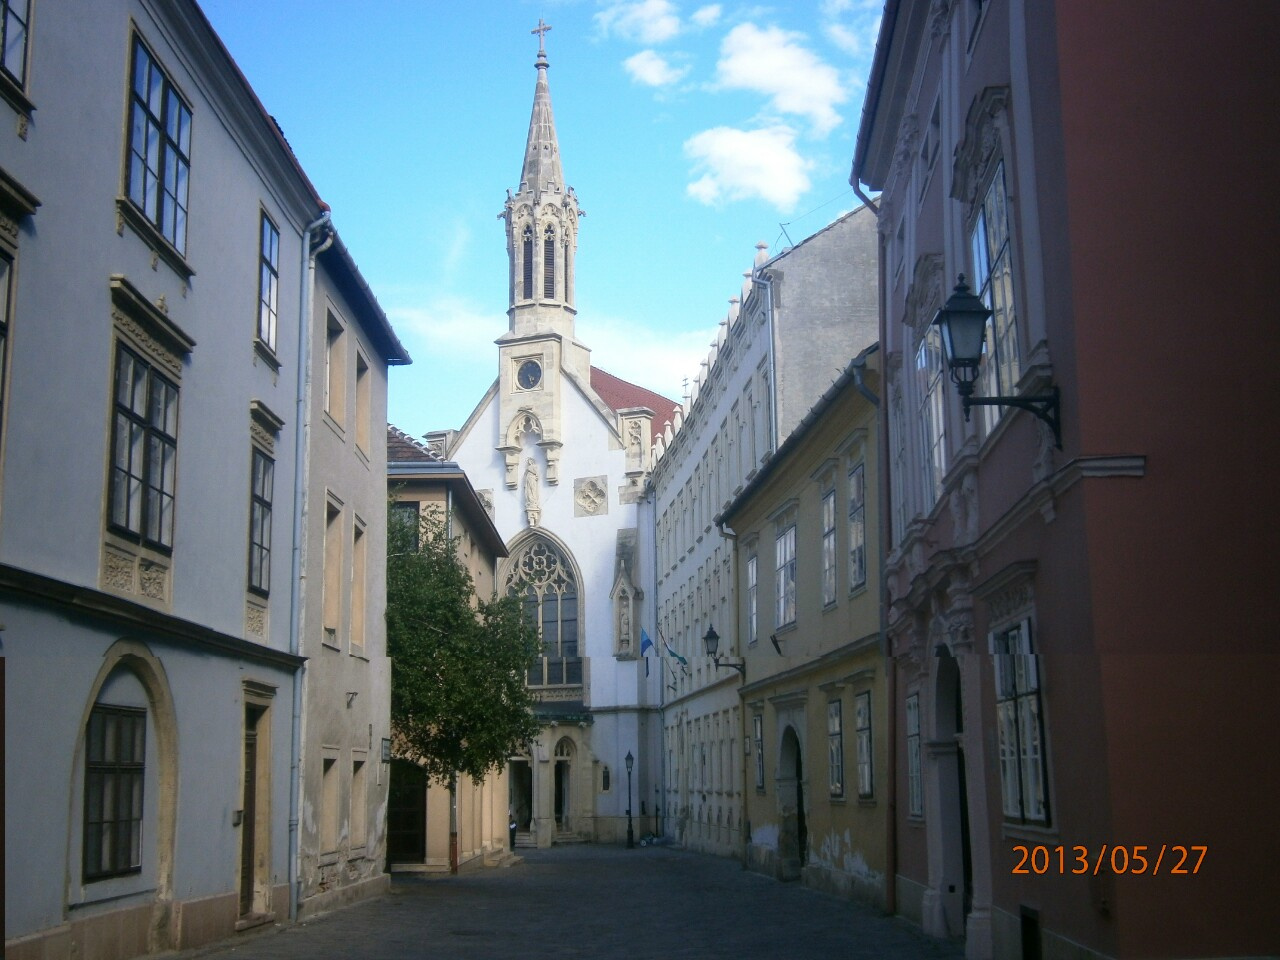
993	282
261	491
915	801
159	150
757	736
15	15
857	527
862	729
785	576
835	748
268	282
1023	770
752	619
114	772
829	548
144	451
930	384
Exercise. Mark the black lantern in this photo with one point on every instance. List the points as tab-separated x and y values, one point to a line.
631	837
712	642
962	322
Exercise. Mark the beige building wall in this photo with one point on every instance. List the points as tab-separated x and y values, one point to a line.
815	731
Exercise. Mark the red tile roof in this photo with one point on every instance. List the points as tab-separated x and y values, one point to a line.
619	395
402	448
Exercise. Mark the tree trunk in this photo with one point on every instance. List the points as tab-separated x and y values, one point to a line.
453	822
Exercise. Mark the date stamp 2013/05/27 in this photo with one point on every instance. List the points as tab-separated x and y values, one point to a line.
1132	859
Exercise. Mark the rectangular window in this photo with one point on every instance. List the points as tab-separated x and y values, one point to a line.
857	527
335	379
862	728
14	17
915	801
549	265
358	574
406	512
159	148
6	272
757	735
115	755
359	805
262	485
829	549
993	282
835	748
1018	720
329	796
752	619
363	413
526	256
268	282
144	451
931	385
785	577
332	573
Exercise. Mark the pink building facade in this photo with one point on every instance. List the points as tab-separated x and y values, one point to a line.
1081	671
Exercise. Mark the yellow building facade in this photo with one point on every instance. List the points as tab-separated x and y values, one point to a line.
816	739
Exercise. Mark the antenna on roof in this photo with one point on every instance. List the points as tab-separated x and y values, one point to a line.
783	227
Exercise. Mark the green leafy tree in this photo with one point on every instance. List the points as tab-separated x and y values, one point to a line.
459	704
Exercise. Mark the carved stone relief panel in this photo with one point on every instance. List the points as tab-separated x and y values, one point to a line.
590	496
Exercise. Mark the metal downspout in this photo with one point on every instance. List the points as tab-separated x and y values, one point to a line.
301	460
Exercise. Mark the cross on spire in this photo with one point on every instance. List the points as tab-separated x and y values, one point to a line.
541	30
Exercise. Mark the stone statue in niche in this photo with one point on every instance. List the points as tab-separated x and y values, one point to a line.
624	621
532	504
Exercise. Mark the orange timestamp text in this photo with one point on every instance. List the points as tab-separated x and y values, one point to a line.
1134	859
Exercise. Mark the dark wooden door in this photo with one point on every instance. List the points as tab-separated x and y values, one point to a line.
407	814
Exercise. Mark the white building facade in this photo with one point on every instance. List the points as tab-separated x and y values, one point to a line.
802	315
156	255
559	451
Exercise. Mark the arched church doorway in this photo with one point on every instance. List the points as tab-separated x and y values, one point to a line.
957	860
793	841
564	784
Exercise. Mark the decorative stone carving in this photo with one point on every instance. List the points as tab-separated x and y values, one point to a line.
981	144
1012	602
590	497
962	501
255	620
926	293
486	501
153	580
940	18
9	227
117	571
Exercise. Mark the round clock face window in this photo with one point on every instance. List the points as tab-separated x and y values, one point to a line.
529	375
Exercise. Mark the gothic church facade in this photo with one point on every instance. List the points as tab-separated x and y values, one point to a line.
559	451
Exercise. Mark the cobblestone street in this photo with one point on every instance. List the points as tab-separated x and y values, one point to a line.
589	901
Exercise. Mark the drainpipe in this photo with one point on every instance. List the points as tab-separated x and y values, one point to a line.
651	495
857	190
302	458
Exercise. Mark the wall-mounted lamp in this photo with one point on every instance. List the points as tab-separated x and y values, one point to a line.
962	322
712	640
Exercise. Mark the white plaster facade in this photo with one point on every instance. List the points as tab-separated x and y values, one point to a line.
136	593
801	316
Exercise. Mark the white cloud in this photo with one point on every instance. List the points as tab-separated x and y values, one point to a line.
742	164
707	16
642	21
653	70
450	326
775	62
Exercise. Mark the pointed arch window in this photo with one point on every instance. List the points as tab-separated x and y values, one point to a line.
542	577
549	263
526	255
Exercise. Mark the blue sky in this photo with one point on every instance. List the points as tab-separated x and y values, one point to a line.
689	131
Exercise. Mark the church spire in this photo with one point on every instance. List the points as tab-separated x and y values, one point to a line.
541	172
542	224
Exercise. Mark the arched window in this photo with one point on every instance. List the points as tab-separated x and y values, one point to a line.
549	263
542	576
114	775
526	255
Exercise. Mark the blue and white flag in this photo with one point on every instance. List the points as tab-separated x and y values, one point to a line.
645	643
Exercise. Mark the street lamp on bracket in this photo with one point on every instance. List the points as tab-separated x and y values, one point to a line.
962	321
712	641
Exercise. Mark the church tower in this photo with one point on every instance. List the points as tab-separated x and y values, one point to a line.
542	239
